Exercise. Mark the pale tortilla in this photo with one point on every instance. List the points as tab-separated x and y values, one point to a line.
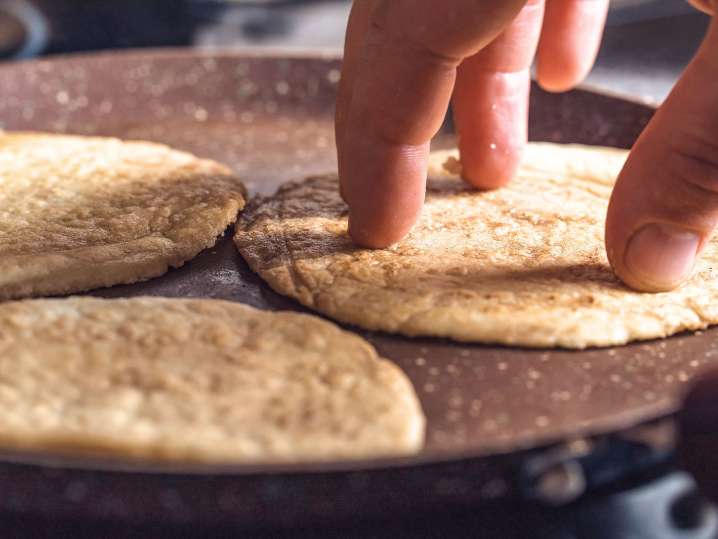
524	265
196	380
78	213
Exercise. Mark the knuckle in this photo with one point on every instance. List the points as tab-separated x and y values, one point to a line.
391	31
693	162
426	46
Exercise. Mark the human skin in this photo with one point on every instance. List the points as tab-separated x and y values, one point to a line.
406	60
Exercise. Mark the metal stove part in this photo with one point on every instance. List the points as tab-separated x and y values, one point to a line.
663	507
561	483
271	23
84	25
649	512
557	477
690	511
656	502
563	473
24	30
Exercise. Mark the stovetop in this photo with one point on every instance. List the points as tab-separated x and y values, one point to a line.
636	59
660	508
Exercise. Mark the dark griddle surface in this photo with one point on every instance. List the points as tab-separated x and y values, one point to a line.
270	118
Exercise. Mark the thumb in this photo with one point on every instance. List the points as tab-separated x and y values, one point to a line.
664	206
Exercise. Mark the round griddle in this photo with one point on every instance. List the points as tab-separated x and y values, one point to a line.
502	422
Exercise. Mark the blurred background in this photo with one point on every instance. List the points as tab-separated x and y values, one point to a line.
647	42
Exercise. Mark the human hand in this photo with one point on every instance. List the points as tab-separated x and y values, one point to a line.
664	207
406	59
687	193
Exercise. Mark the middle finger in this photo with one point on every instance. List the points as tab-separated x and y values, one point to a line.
491	101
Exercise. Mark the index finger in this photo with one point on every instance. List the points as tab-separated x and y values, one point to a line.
403	81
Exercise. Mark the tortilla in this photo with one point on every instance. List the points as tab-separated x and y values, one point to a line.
523	266
78	213
196	380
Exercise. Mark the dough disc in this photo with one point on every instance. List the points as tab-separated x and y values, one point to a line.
524	265
196	380
78	213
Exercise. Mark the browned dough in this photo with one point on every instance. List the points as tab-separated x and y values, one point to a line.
523	265
78	213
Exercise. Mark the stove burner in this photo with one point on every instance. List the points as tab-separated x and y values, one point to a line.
23	29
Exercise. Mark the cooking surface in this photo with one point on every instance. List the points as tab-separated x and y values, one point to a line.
271	120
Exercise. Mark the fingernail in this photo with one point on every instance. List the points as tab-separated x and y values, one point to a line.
662	256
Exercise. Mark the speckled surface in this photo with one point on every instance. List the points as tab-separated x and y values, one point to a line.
271	120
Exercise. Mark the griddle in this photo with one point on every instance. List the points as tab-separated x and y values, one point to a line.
502	422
